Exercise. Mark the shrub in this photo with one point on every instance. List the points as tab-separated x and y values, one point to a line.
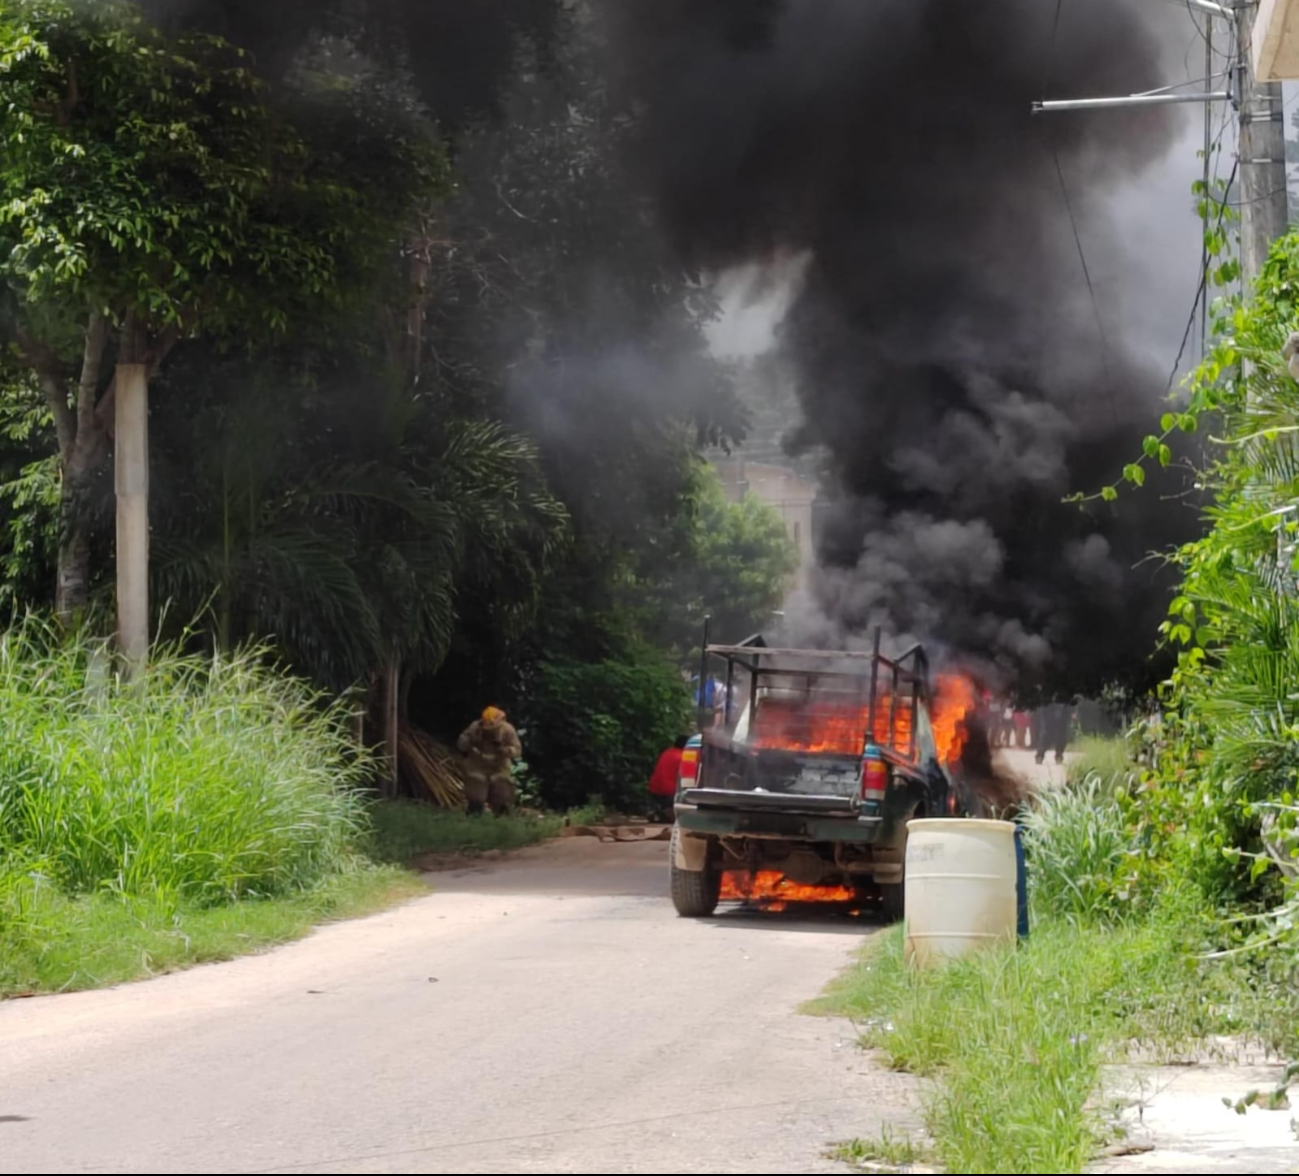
596	729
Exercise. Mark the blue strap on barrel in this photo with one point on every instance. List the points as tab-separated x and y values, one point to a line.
1021	884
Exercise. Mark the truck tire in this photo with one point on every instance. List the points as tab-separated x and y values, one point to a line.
893	901
893	897
695	893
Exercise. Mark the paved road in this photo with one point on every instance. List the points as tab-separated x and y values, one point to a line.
545	1015
1020	763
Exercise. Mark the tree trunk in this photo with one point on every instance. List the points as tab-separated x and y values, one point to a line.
80	467
391	691
81	454
391	686
73	589
132	473
403	708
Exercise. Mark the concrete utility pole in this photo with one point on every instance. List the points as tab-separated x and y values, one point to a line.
131	468
1261	150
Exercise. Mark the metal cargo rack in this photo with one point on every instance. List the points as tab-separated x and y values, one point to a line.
904	679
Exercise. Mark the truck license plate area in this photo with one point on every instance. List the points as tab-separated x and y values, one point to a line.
819	778
772	825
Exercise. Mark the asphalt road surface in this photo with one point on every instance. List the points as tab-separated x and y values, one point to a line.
548	1013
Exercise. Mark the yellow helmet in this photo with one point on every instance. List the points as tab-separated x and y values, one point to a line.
493	715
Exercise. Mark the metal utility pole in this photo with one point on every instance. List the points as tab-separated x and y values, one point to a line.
1261	150
1260	139
1208	180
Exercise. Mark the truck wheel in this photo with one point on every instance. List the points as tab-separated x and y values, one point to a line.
893	896
695	893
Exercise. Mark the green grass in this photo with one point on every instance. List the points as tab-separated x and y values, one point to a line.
1104	757
1016	1037
92	941
203	783
209	808
886	1152
1083	852
405	830
213	807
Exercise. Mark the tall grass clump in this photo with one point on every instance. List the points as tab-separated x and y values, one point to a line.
203	782
1082	852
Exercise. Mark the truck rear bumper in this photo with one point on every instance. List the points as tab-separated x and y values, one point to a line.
716	821
783	802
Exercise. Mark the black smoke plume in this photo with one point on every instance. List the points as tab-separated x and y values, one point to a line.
457	55
947	349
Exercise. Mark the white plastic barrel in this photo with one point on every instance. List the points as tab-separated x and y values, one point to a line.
960	888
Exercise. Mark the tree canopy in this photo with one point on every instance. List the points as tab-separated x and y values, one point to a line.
426	398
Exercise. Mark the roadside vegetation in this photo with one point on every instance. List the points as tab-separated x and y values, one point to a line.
211	806
1164	875
1015	1040
208	808
410	453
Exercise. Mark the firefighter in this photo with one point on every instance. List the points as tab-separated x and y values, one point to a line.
490	747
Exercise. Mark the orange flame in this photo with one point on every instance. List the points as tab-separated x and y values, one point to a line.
825	726
819	726
775	892
955	698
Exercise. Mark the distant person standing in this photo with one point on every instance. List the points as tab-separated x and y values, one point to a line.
1021	720
720	700
663	783
1051	731
710	701
706	697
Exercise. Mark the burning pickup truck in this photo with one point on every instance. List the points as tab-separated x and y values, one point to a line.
819	762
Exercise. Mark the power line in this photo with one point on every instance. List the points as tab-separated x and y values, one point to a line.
1082	258
1202	289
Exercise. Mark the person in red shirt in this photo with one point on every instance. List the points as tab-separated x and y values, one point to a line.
663	783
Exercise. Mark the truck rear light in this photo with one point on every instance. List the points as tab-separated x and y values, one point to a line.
874	776
689	765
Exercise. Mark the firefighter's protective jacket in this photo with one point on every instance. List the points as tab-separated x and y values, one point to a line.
490	747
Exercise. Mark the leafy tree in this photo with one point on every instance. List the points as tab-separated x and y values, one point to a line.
475	456
556	302
600	687
29	494
339	515
736	568
456	54
203	210
559	302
